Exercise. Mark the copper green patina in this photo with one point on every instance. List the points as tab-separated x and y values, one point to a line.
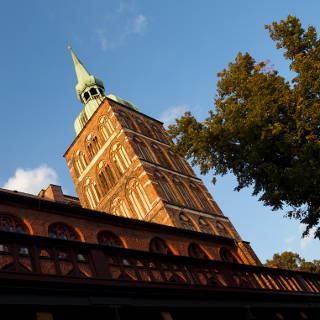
90	91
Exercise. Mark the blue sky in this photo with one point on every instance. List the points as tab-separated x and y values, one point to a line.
161	55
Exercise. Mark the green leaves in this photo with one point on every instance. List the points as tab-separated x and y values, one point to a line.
265	130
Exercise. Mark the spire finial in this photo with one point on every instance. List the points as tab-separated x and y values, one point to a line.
81	72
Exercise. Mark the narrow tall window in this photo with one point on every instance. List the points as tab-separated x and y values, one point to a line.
177	162
80	162
92	192
143	127
126	121
162	159
93	145
120	208
201	197
142	150
165	188
158	134
138	198
105	128
184	193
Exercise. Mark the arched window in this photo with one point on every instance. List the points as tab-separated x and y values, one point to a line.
201	197
227	256
80	162
11	223
62	231
222	229
142	150
159	246
184	193
177	162
92	193
138	198
196	251
186	222
105	127
165	188
93	145
162	159
106	178
119	208
120	157
143	127
108	238
204	225
126	120
158	134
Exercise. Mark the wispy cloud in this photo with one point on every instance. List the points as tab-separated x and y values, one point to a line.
304	242
32	180
171	114
112	34
139	25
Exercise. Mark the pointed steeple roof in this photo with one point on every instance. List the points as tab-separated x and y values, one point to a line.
81	72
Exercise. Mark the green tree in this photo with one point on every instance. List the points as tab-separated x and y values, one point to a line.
292	261
265	129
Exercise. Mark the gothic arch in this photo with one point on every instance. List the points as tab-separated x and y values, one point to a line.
160	156
200	197
165	188
158	134
120	208
142	150
92	192
184	193
138	198
105	177
177	162
126	120
119	157
79	162
105	127
92	145
143	127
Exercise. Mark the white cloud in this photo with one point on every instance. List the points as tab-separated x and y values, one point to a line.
307	239
169	115
32	180
113	34
139	24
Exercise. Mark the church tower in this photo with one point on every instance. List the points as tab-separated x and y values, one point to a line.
121	163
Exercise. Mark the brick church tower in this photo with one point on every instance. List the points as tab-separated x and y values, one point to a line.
121	163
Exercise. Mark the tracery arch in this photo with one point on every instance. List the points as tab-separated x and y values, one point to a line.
186	222
105	127
119	207
158	134
105	176
165	187
108	238
60	230
126	120
195	251
158	245
92	192
177	162
138	198
162	159
10	223
80	162
144	129
120	158
205	205
142	150
92	145
184	193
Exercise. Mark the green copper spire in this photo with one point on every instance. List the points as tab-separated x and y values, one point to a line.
81	72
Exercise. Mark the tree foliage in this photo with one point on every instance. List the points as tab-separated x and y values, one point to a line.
265	129
292	261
